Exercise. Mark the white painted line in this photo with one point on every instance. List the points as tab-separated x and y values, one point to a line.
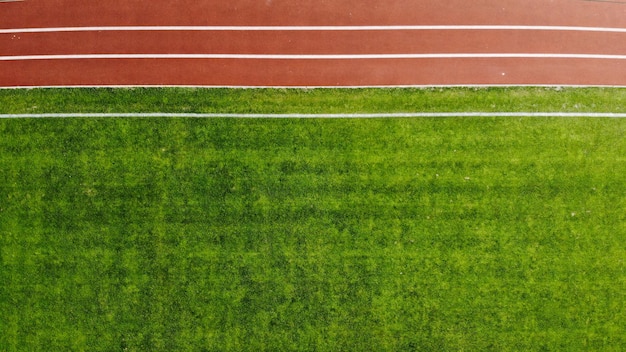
380	86
315	28
319	116
315	56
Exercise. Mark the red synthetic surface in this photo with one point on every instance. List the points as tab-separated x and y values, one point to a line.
304	72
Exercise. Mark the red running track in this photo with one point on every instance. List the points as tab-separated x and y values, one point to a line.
345	43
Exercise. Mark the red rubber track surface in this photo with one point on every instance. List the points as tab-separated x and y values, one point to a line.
312	72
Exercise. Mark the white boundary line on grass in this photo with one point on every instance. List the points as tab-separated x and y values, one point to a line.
398	86
317	116
314	28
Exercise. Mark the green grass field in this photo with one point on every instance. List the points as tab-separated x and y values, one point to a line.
429	234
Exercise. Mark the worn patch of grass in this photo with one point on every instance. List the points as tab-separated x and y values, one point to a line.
430	234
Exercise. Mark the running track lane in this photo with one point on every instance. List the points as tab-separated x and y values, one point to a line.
25	52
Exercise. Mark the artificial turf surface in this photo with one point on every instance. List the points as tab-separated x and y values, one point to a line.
313	235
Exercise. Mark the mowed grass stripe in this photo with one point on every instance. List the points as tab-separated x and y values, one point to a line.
482	233
316	116
311	101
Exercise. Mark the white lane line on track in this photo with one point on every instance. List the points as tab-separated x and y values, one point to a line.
319	116
316	56
300	87
314	28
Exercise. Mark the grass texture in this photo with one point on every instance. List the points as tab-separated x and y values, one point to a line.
177	100
430	234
